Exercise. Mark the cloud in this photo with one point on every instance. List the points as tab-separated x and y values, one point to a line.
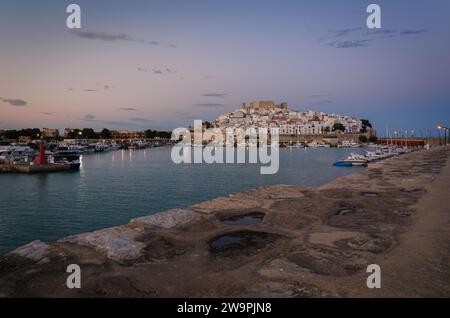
130	109
208	77
14	102
409	32
88	117
381	31
141	120
210	105
156	70
344	32
349	44
318	96
109	37
47	114
215	95
89	90
342	38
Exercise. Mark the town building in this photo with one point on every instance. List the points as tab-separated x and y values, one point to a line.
49	133
265	114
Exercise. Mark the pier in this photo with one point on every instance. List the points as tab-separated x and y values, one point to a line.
47	168
272	241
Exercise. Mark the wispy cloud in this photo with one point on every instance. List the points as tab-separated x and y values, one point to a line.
215	95
210	105
349	44
209	77
130	109
110	37
139	119
14	102
89	90
334	34
156	70
318	96
409	32
361	37
88	117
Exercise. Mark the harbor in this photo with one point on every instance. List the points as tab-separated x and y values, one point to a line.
270	241
62	156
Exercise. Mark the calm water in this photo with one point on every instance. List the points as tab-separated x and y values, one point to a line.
112	188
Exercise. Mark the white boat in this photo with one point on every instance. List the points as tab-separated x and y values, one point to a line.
349	144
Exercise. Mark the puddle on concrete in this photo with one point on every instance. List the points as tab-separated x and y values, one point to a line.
252	218
345	211
240	241
369	194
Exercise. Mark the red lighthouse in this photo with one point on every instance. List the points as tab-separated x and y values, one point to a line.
41	158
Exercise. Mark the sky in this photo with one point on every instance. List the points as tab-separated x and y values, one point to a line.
161	64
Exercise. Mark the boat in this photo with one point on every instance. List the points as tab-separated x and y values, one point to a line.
64	154
342	163
349	144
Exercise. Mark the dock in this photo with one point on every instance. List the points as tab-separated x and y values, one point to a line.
31	169
272	241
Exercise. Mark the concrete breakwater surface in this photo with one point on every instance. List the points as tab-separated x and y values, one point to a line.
272	241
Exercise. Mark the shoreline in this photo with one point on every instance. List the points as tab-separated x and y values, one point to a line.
287	241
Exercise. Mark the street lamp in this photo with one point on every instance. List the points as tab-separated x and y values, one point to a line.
445	129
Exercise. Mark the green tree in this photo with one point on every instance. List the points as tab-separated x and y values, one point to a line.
363	139
366	122
89	133
105	134
157	134
373	138
338	126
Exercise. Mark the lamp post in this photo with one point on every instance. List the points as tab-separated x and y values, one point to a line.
445	129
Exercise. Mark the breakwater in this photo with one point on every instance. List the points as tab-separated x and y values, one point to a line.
272	241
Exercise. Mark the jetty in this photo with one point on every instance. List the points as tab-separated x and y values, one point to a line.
40	165
272	241
47	168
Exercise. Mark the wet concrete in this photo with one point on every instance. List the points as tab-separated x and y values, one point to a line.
251	218
274	241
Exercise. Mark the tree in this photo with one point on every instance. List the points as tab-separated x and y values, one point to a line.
373	138
366	122
363	139
155	133
105	134
89	133
338	126
208	125
33	133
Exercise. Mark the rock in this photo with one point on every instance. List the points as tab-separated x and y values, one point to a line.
224	203
273	192
169	219
35	250
117	243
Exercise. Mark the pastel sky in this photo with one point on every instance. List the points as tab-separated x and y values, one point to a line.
162	64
